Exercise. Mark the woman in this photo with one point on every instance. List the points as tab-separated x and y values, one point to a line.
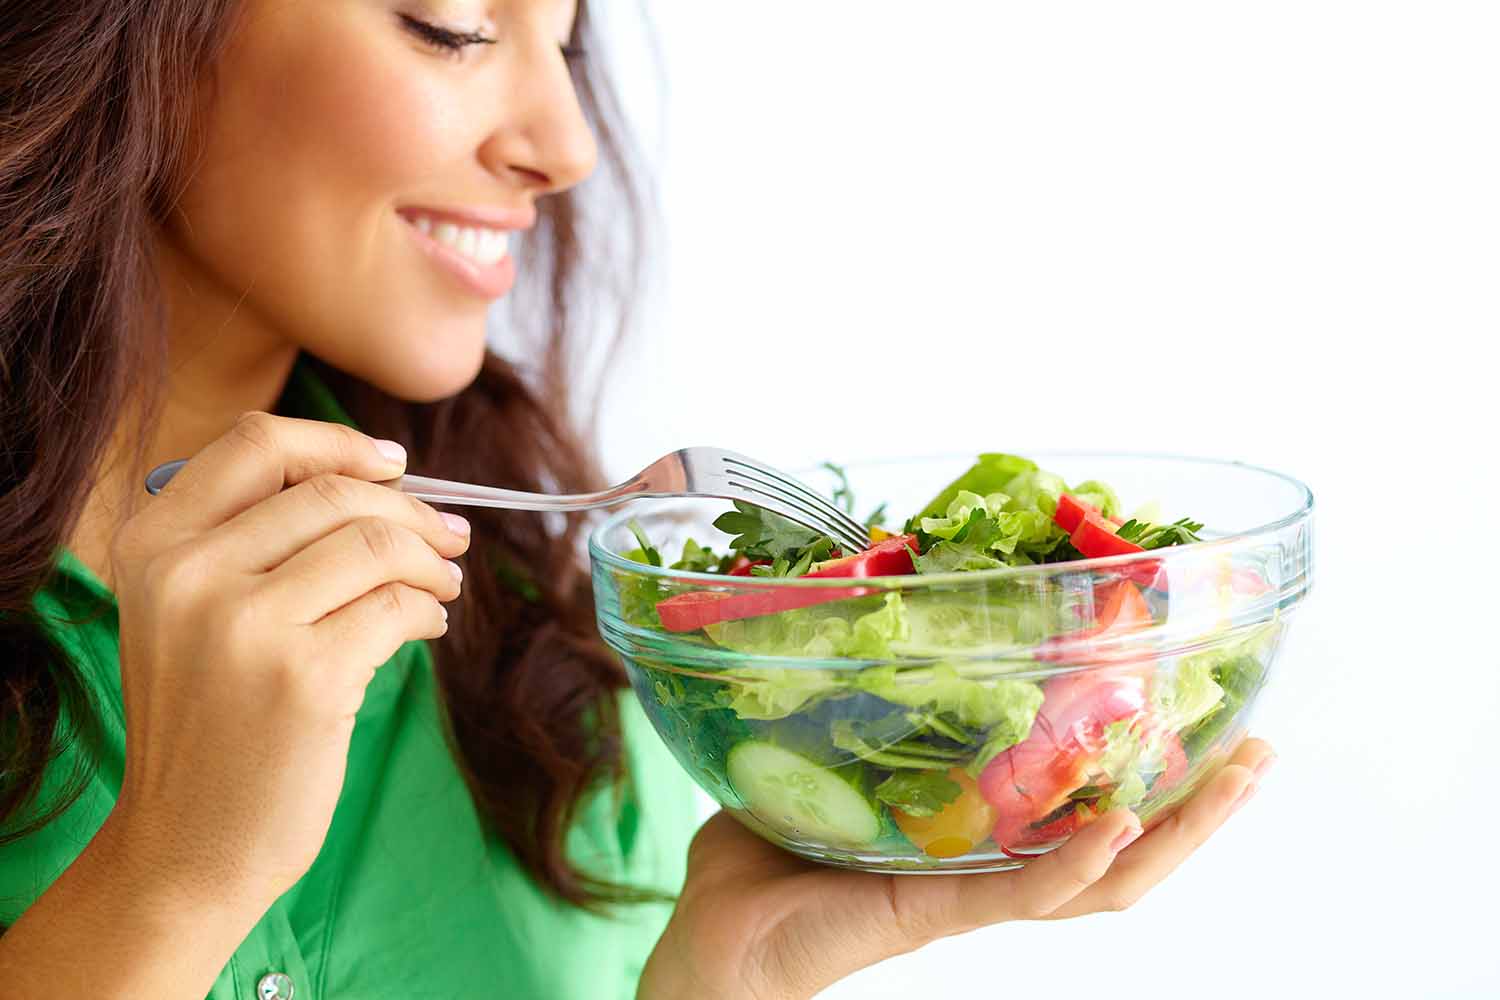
247	751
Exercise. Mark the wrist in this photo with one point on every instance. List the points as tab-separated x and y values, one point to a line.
679	970
667	974
166	890
122	922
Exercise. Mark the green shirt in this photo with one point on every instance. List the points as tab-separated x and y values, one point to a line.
408	897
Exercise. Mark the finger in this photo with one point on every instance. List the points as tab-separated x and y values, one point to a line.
373	626
280	526
356	559
259	456
1047	882
1168	844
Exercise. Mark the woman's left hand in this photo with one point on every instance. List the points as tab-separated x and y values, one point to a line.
756	923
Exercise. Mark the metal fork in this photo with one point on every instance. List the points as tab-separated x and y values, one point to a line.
688	472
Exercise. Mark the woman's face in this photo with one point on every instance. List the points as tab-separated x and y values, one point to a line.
361	177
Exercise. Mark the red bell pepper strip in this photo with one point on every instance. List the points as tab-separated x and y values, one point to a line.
691	611
1122	608
1071	510
1096	540
891	557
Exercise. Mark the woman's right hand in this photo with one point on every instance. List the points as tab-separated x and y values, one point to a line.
258	594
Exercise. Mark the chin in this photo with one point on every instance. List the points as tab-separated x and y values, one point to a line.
435	369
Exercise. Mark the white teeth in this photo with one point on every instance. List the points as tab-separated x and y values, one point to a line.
493	246
468	242
482	245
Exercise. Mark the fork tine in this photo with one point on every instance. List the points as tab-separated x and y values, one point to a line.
818	516
804	492
779	502
840	527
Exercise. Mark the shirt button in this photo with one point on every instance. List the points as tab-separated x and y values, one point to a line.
275	986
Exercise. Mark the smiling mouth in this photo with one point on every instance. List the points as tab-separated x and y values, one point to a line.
485	246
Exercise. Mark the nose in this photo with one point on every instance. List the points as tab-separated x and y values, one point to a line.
544	141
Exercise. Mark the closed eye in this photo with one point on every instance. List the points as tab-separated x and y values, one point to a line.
444	39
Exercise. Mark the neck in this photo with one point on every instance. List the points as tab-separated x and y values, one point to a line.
221	361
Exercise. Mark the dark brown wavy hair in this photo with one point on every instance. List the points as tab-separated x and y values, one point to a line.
96	115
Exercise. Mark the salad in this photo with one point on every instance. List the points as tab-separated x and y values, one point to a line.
944	742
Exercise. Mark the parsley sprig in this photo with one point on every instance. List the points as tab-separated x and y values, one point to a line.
787	546
1183	531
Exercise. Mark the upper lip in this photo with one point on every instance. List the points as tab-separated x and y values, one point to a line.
492	217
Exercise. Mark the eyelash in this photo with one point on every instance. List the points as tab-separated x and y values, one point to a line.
454	42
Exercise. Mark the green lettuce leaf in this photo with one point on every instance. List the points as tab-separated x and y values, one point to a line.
956	557
1035	490
823	630
1098	494
820	631
957	514
776	692
1239	669
865	742
918	793
639	595
983	532
696	558
1189	694
1009	729
974	702
989	474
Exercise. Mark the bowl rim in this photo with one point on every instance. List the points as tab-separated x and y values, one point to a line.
602	554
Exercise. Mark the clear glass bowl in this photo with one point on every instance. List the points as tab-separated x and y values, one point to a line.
811	748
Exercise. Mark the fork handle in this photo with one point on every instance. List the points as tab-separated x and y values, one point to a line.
467	494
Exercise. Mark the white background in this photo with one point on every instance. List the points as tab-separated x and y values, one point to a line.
1266	231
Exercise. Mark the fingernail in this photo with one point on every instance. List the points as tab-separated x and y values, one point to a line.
457	525
444	609
1245	796
458	574
391	451
1126	836
1264	765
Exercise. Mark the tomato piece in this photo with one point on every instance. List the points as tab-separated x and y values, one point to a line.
691	611
741	565
1177	766
1059	829
957	829
1248	582
1033	778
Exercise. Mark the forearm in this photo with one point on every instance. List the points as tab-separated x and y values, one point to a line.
116	924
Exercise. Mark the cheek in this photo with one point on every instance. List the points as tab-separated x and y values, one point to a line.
368	123
318	129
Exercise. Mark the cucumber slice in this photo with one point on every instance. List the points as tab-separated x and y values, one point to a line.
800	799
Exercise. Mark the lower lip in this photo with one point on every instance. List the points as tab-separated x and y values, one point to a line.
489	281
